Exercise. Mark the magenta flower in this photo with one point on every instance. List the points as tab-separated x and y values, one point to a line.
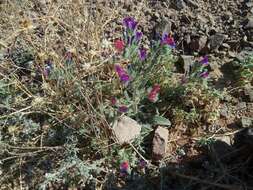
129	23
124	168
113	101
168	40
124	77
138	36
142	54
119	45
123	109
204	74
204	60
153	94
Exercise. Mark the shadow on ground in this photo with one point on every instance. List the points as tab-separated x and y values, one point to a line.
221	166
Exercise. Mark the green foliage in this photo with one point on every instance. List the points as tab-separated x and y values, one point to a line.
246	71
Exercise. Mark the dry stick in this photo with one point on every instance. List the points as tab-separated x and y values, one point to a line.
138	153
22	155
16	112
229	187
214	135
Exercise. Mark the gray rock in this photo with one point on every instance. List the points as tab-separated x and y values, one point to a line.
216	40
160	141
249	24
248	91
186	61
224	112
180	4
192	3
198	44
246	122
241	106
126	129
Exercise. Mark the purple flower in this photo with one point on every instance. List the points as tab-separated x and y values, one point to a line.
129	23
123	109
124	77
204	60
142	54
168	40
142	164
138	36
204	74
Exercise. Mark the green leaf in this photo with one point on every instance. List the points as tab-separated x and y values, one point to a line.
160	120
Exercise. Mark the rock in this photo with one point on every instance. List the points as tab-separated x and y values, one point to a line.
231	54
185	62
241	106
160	141
249	4
220	149
180	4
198	44
192	3
126	129
244	138
248	91
225	139
224	112
216	40
249	24
246	122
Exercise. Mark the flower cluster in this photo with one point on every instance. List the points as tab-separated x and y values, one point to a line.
204	61
124	168
168	40
153	94
124	77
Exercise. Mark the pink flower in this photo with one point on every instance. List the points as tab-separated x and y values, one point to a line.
119	45
124	168
113	101
168	40
153	94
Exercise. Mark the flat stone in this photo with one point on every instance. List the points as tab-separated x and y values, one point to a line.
160	141
246	122
126	129
198	44
185	62
216	40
